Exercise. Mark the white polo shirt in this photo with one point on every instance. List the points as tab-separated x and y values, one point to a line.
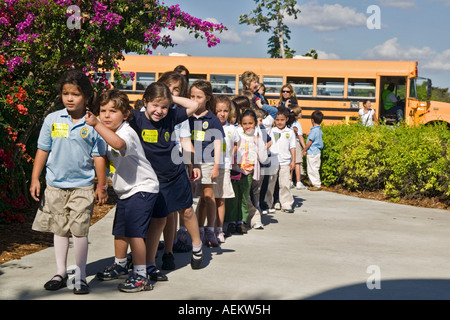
231	137
130	171
282	143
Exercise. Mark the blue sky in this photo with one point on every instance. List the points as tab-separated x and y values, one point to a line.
416	30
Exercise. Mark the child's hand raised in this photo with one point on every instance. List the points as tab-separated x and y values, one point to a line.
90	118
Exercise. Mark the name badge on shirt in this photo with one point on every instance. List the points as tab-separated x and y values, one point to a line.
60	130
150	136
276	135
112	169
198	135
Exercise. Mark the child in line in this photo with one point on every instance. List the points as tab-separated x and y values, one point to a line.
177	84
207	138
283	147
253	203
69	148
299	146
134	182
223	188
314	146
250	82
155	127
250	152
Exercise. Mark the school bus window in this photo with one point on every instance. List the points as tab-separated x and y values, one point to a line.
361	88
195	77
303	86
128	86
143	80
330	87
223	84
412	88
273	84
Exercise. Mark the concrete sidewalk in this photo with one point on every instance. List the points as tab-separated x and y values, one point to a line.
333	247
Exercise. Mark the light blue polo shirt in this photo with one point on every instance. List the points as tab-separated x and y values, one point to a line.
315	135
71	147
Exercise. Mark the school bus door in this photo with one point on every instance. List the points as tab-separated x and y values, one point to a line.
400	91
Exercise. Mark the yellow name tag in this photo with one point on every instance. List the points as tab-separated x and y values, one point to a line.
112	169
198	135
150	136
60	130
224	147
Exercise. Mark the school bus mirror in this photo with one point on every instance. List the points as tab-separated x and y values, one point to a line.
429	87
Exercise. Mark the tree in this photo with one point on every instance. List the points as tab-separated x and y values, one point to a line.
272	20
41	39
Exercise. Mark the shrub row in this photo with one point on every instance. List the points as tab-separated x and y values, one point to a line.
403	162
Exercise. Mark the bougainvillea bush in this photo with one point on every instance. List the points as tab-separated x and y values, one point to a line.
41	39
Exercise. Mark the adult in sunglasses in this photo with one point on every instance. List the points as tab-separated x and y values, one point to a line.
287	97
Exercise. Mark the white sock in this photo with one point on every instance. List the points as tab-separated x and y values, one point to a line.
121	262
140	270
80	244
197	251
61	245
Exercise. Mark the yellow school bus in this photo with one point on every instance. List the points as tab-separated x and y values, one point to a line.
336	87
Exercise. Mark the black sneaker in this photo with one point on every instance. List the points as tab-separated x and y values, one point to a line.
168	261
196	260
288	210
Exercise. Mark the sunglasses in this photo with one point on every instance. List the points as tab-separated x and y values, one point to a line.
284	91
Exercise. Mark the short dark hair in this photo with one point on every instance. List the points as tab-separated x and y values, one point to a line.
120	99
317	116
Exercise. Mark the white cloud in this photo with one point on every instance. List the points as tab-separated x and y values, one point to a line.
250	32
322	55
441	61
327	17
228	36
427	57
398	3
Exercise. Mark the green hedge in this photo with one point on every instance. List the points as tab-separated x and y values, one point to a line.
401	161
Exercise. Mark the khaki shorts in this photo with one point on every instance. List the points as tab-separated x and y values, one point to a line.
64	210
207	168
298	152
223	187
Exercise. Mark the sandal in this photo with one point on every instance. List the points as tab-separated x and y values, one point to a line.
56	284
